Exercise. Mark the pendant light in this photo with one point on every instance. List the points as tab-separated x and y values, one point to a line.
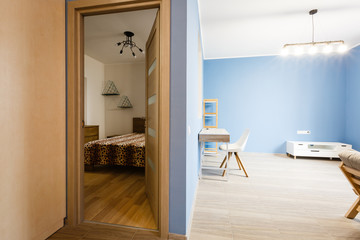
129	43
312	48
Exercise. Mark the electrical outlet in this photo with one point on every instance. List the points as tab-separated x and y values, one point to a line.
303	132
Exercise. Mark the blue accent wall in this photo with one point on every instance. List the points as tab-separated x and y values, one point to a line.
276	96
177	198
185	124
353	98
193	117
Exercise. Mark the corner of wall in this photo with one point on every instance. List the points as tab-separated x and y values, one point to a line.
177	198
352	112
193	101
93	100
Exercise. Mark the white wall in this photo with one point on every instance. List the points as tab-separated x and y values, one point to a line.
94	101
129	79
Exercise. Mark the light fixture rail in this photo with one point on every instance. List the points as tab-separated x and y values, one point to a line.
313	47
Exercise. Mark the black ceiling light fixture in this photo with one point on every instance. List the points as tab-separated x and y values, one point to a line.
129	43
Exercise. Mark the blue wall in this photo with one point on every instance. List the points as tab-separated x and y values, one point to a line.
193	118
184	121
177	214
353	98
276	96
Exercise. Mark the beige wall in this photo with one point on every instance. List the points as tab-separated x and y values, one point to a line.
94	108
32	122
129	79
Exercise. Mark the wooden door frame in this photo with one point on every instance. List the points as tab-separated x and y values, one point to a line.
75	73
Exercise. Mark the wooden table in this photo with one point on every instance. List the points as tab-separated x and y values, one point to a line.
213	135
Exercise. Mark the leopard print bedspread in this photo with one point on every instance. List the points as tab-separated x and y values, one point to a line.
124	150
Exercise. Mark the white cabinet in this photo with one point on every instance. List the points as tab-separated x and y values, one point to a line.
315	149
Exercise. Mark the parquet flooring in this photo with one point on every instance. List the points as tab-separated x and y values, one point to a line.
116	195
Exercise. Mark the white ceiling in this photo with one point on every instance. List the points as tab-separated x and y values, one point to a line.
102	32
242	28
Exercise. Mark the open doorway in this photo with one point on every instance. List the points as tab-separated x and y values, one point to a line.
77	10
119	167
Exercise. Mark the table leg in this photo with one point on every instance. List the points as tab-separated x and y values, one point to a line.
227	161
202	153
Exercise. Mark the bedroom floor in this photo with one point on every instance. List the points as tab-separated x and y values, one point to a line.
116	195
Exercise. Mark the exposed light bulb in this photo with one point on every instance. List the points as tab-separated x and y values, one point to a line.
328	49
313	50
299	51
284	51
342	48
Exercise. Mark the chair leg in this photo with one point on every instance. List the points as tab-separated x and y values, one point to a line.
237	157
238	163
229	156
354	210
223	162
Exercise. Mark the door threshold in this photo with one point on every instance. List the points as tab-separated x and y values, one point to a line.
120	226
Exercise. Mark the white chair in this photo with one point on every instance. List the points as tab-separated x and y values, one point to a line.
236	147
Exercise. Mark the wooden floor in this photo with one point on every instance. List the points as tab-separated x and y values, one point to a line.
117	196
283	198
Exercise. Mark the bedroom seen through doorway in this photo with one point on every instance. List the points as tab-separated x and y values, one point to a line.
121	119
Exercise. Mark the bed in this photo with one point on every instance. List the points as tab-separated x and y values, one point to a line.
124	150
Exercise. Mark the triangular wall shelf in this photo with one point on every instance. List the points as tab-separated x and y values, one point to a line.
110	89
124	102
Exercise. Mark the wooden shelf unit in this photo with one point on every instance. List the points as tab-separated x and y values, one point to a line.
211	117
208	102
